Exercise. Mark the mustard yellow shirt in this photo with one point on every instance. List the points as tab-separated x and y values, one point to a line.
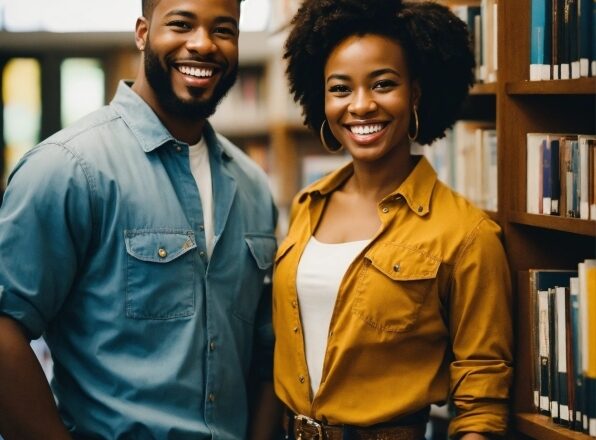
423	312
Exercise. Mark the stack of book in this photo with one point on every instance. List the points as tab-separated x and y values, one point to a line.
482	26
562	43
560	175
466	160
564	345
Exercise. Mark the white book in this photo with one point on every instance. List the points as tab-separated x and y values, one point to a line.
534	172
584	176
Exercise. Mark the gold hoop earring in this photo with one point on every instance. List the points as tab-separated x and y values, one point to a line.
337	147
417	124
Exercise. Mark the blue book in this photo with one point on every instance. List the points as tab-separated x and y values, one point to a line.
593	40
585	46
577	397
546	177
540	40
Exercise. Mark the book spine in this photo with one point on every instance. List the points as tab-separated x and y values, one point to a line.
584	10
546	177
538	36
544	346
578	402
584	169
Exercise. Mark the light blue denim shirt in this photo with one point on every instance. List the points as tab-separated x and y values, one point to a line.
102	250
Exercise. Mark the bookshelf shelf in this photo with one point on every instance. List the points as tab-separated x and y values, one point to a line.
541	427
552	222
579	86
484	89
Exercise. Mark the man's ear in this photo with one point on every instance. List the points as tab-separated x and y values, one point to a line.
141	31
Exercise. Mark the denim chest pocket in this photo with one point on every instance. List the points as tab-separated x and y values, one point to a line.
160	273
393	285
260	249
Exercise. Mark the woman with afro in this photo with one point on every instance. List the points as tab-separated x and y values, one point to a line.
391	291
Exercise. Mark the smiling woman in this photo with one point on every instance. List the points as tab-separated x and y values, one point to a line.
386	277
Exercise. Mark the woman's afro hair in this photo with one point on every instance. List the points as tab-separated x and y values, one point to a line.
436	43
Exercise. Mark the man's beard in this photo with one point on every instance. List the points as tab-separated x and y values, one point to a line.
160	81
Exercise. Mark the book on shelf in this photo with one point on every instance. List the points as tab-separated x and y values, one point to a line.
562	40
560	172
585	144
584	11
541	282
540	31
587	301
577	394
592	31
470	15
563	344
466	160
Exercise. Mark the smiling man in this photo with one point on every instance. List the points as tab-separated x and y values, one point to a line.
139	242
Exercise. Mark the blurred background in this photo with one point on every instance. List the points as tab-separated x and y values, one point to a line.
61	59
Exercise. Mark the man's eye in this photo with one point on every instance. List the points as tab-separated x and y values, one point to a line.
225	31
179	24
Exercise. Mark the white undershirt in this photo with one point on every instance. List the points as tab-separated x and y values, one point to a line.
320	273
201	171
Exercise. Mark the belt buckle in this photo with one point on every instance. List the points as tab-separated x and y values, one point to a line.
305	421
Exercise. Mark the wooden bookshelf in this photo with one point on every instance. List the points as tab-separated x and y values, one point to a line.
534	241
541	427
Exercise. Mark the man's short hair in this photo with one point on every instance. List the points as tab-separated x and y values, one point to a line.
147	7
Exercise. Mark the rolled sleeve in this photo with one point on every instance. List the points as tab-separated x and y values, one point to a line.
482	334
45	222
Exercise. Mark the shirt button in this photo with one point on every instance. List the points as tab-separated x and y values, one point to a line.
211	397
396	267
178	148
420	209
385	210
301	379
162	253
212	346
294	304
202	227
331	333
202	254
295	329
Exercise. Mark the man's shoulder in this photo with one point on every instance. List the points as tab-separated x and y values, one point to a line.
245	166
86	127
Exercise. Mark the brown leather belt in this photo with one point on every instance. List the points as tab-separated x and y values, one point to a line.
305	428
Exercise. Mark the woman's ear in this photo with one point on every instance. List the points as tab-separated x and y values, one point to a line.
416	93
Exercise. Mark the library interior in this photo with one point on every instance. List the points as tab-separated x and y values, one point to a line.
523	149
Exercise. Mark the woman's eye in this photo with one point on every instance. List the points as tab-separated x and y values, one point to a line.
339	88
384	84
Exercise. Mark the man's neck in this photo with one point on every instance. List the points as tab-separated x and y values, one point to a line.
184	129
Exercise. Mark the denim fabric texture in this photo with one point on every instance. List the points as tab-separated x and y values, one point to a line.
102	250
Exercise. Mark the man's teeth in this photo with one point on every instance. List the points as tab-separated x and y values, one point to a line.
193	71
366	129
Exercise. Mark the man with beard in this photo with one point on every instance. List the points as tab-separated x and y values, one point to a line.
139	243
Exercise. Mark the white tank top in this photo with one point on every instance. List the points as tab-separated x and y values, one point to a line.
320	273
201	171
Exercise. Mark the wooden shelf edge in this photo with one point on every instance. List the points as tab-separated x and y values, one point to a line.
564	224
581	86
484	89
542	427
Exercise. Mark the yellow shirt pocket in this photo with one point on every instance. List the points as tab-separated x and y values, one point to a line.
392	286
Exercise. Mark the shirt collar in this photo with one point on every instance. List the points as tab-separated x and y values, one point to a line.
416	189
146	126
